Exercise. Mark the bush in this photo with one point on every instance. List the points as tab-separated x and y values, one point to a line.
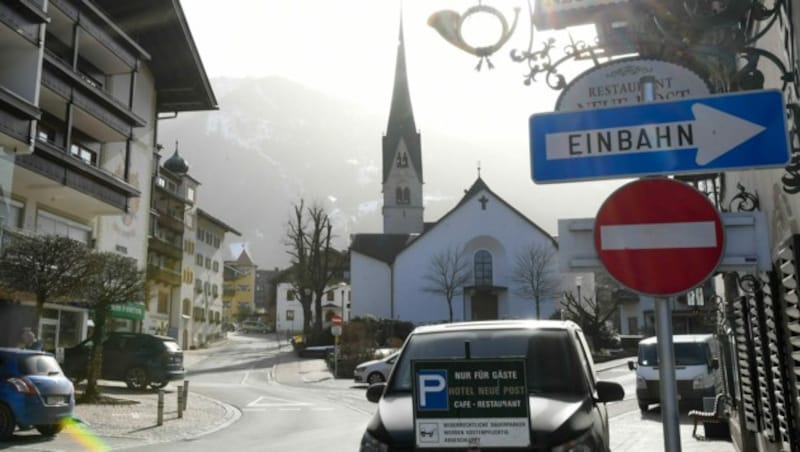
362	336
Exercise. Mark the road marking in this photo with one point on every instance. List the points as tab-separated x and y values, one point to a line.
254	409
289	409
322	408
270	402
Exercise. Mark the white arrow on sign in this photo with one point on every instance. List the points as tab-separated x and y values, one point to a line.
712	133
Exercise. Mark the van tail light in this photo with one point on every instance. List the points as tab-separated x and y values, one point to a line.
22	386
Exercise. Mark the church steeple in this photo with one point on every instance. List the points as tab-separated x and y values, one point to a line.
402	157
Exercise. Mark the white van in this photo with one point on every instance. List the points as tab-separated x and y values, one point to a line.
696	367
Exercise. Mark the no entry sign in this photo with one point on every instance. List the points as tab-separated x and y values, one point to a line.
659	237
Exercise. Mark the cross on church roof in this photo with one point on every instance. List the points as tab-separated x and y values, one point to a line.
483	200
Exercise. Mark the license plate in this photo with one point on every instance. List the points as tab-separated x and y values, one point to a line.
56	400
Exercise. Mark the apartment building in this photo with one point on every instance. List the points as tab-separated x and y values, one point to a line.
82	85
239	288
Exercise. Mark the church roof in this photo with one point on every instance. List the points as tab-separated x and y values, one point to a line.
401	118
478	186
386	247
383	247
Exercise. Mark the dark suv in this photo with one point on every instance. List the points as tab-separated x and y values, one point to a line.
566	402
137	359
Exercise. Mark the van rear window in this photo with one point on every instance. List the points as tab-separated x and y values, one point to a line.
692	354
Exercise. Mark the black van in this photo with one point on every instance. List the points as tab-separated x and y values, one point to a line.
567	403
138	359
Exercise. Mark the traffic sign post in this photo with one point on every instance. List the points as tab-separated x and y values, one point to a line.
660	237
703	135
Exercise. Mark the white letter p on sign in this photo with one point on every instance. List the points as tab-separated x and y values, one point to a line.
429	383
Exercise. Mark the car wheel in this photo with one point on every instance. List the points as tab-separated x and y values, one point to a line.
375	377
136	378
49	430
7	422
158	384
643	407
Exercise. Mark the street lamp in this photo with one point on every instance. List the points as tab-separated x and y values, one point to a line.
578	282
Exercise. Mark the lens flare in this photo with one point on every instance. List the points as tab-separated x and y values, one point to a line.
84	436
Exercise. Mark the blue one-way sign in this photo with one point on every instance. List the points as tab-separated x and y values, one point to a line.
704	135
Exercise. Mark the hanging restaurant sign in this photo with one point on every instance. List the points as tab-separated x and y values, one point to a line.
551	14
618	83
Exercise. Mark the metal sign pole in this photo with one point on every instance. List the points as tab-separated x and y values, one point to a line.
668	387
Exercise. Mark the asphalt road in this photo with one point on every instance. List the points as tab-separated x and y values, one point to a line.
274	416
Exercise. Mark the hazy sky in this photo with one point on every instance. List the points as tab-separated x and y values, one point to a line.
347	48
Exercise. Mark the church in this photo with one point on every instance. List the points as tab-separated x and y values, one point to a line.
394	274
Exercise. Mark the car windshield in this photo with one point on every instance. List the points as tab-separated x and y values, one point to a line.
39	365
551	364
686	354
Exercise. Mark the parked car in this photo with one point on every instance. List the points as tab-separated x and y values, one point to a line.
316	351
253	326
375	371
34	392
566	402
138	359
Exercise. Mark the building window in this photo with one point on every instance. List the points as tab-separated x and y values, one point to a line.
200	234
208	262
188	276
82	152
403	195
290	314
633	325
330	295
190	194
46	133
14	215
187	306
199	260
160	182
163	302
198	285
50	224
290	294
349	295
207	288
214	291
483	268
215	266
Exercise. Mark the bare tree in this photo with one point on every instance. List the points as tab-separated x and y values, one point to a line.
313	260
113	279
535	275
448	272
592	314
49	267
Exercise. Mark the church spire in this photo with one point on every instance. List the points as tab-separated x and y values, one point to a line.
401	116
402	157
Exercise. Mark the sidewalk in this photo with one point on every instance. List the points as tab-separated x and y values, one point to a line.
134	422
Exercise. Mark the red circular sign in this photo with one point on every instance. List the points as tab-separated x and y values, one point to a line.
658	236
336	320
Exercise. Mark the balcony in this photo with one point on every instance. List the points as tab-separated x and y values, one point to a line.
17	118
101	42
97	113
23	17
79	188
170	221
163	245
163	274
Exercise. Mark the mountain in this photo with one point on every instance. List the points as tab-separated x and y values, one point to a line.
271	143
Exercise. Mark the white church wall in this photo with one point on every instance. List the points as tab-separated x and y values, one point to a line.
496	229
370	282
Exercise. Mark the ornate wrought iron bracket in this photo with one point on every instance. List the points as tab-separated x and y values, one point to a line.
743	201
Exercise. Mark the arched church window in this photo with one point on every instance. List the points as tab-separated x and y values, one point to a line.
406	196
398	195
483	268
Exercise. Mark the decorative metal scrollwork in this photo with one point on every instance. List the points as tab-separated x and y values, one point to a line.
749	284
541	61
743	201
791	180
